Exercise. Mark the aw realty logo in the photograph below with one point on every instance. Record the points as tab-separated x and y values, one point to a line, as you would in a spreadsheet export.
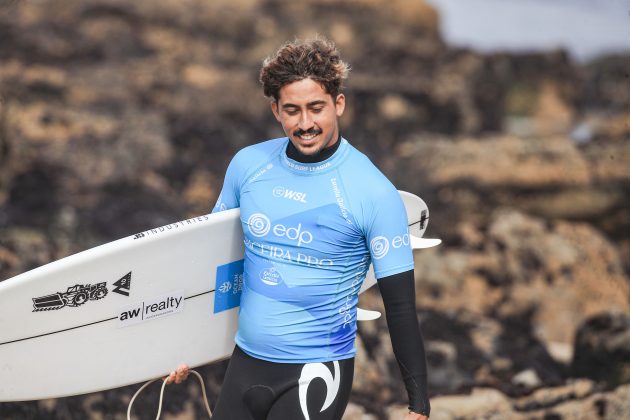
154	308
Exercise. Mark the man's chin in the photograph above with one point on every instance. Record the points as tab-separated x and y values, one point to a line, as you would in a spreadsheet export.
307	148
310	151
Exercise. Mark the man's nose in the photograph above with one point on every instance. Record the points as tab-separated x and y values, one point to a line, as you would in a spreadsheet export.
306	122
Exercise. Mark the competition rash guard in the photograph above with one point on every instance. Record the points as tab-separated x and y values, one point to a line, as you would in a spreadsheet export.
311	231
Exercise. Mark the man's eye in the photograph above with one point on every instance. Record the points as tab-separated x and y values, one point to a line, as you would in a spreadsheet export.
317	110
292	111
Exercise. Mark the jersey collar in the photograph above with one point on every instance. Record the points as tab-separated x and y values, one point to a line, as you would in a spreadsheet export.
317	167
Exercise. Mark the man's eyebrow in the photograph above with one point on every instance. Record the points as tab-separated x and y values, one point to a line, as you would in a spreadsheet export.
310	104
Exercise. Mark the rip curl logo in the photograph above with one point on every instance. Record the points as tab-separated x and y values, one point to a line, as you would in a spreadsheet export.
258	224
380	247
312	371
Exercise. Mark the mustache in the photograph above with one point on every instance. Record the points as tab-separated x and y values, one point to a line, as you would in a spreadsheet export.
300	132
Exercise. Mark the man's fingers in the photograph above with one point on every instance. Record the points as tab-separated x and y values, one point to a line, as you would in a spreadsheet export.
182	372
178	375
170	378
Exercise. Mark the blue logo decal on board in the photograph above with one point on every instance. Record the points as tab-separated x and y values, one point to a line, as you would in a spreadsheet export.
229	286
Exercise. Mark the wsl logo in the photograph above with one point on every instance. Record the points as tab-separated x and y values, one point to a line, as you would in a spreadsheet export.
258	224
282	192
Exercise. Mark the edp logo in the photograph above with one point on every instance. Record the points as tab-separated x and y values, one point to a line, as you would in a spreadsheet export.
259	225
380	245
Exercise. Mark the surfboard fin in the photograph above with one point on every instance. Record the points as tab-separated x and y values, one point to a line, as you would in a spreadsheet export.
423	243
365	315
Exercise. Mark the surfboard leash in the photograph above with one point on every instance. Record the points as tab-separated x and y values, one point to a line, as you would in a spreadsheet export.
203	390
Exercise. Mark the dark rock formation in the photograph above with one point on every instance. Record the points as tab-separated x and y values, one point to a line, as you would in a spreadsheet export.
602	349
120	116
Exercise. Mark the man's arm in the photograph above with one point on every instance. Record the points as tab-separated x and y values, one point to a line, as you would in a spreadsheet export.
399	297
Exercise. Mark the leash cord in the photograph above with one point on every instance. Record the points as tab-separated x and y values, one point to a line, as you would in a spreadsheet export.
203	390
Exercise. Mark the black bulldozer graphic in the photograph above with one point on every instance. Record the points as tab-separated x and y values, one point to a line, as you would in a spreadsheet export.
76	295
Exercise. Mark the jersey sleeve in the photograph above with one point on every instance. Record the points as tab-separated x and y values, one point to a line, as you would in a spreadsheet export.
387	234
230	193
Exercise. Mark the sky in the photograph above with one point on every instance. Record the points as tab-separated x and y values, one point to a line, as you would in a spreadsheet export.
586	28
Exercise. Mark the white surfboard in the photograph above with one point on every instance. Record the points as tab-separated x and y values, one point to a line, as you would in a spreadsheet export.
132	309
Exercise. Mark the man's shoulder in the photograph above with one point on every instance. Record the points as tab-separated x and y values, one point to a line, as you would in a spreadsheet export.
249	159
252	157
364	174
260	150
366	187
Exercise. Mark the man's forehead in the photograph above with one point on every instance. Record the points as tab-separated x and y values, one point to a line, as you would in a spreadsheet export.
303	91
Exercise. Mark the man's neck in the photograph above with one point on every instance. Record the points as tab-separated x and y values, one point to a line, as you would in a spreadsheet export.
322	155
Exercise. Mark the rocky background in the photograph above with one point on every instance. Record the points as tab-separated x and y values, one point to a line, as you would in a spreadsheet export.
119	116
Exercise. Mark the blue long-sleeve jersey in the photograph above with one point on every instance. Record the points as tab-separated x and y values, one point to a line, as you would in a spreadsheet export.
310	232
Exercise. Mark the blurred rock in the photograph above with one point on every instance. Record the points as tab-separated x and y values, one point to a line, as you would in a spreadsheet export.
517	163
356	412
607	83
565	271
482	403
442	361
561	352
579	400
582	404
527	379
117	116
127	145
22	249
602	348
367	375
544	398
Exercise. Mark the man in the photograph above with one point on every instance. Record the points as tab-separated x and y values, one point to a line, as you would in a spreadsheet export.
315	212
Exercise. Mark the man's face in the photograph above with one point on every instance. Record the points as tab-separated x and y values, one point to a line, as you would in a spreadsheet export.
308	115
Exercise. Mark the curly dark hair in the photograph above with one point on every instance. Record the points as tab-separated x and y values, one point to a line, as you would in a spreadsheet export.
316	59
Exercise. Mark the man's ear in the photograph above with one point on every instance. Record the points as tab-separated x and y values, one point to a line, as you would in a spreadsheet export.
340	104
275	110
